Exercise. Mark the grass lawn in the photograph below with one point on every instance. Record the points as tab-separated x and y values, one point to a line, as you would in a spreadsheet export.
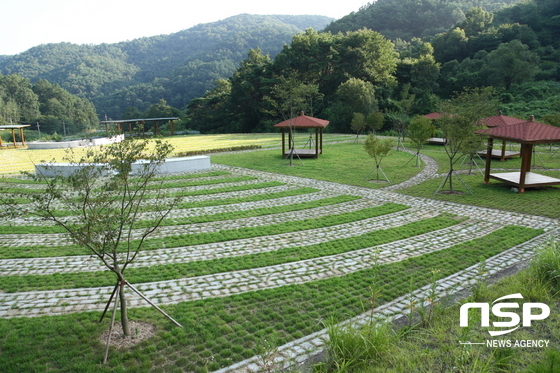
536	201
349	164
345	163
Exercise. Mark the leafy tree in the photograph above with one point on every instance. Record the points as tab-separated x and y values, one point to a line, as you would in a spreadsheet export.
289	97
210	113
419	131
451	45
108	216
398	120
375	121
511	63
358	124
353	96
378	149
462	116
248	87
476	21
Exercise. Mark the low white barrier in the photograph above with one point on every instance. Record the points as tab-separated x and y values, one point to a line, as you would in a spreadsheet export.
170	166
74	143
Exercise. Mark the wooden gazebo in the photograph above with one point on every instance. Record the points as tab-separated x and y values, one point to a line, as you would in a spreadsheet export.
13	128
132	122
500	121
527	134
302	122
435	140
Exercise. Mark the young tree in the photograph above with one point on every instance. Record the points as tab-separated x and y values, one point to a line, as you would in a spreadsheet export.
463	114
420	130
378	149
399	122
358	124
289	97
375	121
109	216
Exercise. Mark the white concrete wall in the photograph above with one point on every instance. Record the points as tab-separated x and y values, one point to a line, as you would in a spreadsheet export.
56	144
74	143
62	169
170	166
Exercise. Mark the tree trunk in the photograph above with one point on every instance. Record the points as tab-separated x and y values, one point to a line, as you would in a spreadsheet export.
450	174
124	313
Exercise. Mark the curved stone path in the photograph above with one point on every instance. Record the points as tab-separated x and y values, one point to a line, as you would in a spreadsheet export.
481	222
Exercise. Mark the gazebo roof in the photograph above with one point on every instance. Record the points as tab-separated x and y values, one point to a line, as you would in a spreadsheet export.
529	132
303	121
14	126
500	120
433	116
137	120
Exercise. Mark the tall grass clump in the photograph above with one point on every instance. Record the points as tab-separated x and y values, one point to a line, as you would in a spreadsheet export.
351	348
546	265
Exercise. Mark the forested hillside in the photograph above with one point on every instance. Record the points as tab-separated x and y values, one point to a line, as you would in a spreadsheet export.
516	50
243	74
52	106
176	67
405	19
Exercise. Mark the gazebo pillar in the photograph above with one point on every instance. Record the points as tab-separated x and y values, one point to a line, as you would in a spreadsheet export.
21	137
527	153
283	143
316	142
488	160
172	127
503	157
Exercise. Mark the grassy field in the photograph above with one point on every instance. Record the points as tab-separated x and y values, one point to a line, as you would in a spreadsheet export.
346	163
22	159
221	330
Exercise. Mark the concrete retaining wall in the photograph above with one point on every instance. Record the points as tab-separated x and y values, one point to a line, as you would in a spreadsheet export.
74	143
170	166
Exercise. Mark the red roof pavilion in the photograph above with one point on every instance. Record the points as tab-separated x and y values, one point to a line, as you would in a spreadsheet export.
527	134
499	121
303	122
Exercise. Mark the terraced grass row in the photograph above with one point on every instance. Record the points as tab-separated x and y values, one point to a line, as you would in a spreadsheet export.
35	229
38	251
200	268
220	331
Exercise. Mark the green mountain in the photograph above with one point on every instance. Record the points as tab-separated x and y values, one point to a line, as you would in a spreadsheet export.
176	67
406	19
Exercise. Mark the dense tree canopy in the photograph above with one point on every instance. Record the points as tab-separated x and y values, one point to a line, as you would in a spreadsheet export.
53	107
346	71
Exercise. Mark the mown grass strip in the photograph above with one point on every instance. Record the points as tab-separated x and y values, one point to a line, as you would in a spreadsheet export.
202	192
192	176
181	270
184	184
254	198
221	236
27	229
218	332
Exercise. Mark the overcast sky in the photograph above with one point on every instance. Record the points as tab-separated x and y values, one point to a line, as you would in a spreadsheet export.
27	23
